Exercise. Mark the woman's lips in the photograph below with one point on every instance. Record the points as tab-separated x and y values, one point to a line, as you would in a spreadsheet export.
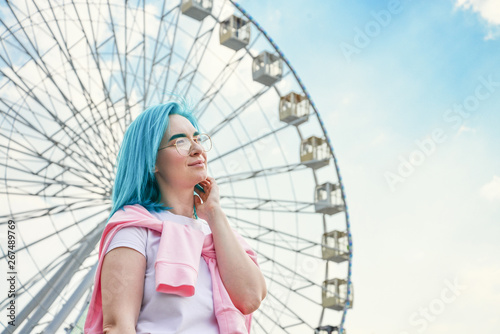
198	165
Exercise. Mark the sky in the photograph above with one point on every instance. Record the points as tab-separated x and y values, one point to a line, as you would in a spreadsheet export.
410	93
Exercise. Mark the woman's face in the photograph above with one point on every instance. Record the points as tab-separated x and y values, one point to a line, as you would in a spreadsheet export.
175	169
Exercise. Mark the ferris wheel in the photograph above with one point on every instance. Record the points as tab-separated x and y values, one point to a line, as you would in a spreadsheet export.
74	74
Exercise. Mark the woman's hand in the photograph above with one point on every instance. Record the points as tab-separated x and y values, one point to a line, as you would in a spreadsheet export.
210	199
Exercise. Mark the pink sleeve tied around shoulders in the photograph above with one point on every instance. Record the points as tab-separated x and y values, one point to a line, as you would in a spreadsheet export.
176	267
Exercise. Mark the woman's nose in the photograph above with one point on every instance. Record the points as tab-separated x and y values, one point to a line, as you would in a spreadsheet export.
196	148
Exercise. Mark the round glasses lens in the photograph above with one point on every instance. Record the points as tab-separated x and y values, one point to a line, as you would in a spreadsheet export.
205	142
183	146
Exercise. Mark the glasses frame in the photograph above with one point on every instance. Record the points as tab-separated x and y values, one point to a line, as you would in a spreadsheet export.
191	148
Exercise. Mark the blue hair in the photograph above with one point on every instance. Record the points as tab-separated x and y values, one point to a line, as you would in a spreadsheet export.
135	181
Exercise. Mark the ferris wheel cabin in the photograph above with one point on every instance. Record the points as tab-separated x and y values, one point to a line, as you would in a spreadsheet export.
328	198
314	152
327	330
234	32
294	109
267	68
335	294
335	246
197	9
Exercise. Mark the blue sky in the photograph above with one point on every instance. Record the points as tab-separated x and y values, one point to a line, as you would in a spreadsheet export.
437	226
413	112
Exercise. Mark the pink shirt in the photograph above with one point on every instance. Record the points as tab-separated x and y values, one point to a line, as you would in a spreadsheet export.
176	266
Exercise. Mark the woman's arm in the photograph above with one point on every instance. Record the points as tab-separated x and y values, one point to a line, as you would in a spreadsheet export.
122	285
242	278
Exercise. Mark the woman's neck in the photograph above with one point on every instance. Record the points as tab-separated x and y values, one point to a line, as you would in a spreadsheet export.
182	201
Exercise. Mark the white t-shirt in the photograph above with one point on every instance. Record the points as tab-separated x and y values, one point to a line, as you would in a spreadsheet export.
163	313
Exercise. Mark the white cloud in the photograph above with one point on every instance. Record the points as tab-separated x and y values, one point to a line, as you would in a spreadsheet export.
464	128
488	9
381	138
491	190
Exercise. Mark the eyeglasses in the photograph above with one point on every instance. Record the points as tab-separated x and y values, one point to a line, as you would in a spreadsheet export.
185	145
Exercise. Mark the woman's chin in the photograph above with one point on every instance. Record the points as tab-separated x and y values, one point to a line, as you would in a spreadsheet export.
204	174
201	177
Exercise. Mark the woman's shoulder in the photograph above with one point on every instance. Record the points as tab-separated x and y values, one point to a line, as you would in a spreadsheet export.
135	237
126	212
129	213
131	232
129	209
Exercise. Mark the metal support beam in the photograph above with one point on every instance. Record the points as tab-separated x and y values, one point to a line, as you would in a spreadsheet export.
74	262
51	290
71	302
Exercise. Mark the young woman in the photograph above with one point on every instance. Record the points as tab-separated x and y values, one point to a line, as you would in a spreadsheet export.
161	161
